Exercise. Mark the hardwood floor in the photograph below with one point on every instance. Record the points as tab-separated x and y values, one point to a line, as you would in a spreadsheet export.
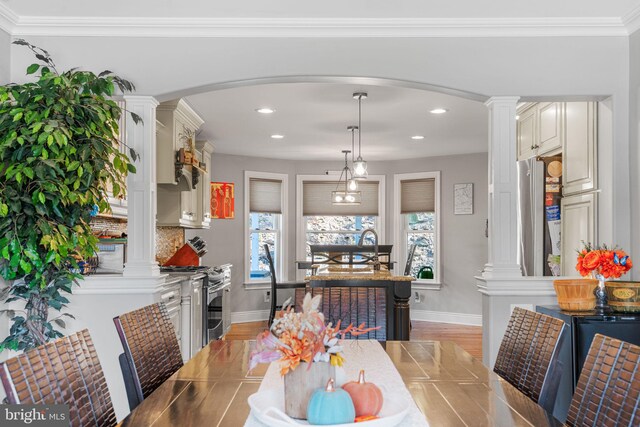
467	337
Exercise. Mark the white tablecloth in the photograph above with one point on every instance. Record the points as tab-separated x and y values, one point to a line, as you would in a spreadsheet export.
359	354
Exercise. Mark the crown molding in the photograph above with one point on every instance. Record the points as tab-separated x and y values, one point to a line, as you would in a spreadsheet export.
8	19
631	20
308	27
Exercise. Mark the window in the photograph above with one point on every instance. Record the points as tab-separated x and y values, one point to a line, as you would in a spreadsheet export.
265	199
417	204
320	222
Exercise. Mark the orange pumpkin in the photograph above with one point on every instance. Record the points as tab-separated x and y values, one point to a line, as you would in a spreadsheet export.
367	397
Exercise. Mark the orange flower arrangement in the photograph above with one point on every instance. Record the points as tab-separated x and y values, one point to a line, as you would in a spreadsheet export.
302	337
602	261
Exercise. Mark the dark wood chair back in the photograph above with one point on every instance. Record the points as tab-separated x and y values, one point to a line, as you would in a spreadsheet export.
355	305
275	285
350	254
410	254
529	355
151	349
608	390
65	371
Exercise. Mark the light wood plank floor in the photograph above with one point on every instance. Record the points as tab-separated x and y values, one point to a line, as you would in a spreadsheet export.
467	337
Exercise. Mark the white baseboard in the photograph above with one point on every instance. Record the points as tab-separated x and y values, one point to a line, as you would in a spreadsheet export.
446	317
249	316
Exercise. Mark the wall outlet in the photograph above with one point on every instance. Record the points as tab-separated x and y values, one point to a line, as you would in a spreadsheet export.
417	297
267	296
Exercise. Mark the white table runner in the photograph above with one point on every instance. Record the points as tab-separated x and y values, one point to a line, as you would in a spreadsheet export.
359	354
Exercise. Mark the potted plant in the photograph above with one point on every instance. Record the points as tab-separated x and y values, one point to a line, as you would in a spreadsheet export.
58	155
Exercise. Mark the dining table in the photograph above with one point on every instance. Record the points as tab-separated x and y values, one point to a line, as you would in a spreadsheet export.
448	386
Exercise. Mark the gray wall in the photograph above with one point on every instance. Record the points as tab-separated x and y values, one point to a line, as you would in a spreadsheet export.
464	245
5	57
634	141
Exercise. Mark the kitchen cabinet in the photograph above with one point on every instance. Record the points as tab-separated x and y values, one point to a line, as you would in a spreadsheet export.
204	188
170	295
192	322
180	123
578	213
539	129
579	149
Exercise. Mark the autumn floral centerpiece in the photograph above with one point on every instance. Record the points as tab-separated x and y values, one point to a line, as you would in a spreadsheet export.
595	263
602	263
303	338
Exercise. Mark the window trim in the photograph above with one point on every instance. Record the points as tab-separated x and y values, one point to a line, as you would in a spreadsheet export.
399	231
301	231
282	253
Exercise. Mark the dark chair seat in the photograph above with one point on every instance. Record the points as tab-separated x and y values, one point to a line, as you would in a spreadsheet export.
528	356
151	350
65	371
275	285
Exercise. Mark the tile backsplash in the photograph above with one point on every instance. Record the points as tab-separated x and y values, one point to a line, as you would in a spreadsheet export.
168	241
108	226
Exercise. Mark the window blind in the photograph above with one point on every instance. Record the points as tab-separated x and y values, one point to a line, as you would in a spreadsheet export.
316	199
265	195
417	195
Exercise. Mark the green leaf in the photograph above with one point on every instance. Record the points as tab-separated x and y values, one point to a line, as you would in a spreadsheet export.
4	209
41	197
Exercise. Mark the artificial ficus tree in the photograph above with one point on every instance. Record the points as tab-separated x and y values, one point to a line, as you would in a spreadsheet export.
58	155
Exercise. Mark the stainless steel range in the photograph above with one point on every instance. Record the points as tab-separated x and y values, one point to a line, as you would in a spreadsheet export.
217	306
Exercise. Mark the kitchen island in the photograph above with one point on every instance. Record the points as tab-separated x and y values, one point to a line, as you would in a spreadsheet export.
357	294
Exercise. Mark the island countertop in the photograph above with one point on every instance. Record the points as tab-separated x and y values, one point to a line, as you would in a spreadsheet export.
355	272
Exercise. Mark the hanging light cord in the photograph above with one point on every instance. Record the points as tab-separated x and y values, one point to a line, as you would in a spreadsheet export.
353	146
359	127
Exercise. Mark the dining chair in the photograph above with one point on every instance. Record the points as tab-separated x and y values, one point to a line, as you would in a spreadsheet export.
151	350
65	371
276	285
410	255
529	355
608	390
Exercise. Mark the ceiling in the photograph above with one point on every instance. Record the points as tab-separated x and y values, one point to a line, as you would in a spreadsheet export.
326	8
313	117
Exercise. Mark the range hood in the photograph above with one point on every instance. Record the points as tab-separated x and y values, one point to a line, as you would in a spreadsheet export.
178	125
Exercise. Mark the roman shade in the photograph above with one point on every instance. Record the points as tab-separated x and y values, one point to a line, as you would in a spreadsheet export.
417	195
265	195
316	199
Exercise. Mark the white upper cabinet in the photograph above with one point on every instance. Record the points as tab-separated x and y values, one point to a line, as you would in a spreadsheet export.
539	129
579	168
578	213
204	187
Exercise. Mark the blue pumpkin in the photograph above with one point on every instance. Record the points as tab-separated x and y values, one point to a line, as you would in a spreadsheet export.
330	405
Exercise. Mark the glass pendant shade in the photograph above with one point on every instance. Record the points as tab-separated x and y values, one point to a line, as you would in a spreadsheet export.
346	197
345	192
353	185
360	169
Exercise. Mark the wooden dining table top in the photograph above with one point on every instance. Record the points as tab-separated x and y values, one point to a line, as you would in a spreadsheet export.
449	386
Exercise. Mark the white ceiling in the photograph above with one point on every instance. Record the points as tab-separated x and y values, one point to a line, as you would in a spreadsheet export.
326	8
314	119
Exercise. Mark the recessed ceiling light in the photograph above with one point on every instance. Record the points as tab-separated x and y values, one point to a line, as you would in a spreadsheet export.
438	111
417	137
265	110
276	136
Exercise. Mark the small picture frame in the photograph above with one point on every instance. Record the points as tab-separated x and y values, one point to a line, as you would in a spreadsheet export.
463	199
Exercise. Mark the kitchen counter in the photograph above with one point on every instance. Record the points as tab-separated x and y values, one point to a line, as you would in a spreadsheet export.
356	272
355	293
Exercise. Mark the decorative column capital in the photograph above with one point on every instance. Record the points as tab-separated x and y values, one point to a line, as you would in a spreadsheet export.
501	100
141	99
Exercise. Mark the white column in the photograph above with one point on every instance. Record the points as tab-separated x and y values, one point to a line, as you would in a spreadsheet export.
141	190
503	189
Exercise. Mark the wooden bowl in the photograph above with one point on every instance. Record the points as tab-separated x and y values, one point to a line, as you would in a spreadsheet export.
576	294
623	296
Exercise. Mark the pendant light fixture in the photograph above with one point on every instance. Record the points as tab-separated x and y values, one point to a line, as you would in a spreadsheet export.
342	195
360	166
353	183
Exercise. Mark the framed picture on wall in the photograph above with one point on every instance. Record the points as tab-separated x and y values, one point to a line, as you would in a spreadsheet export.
222	200
463	199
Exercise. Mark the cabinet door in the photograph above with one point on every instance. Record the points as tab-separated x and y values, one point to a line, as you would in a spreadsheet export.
579	148
549	126
196	317
578	216
526	134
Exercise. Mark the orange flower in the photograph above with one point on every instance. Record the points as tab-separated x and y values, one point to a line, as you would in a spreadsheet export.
591	260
